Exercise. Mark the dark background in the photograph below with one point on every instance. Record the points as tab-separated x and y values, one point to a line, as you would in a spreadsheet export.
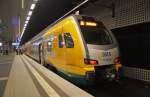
134	42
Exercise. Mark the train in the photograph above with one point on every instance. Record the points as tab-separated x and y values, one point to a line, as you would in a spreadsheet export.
79	47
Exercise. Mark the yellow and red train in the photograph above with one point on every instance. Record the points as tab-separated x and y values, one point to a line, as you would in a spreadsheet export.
79	47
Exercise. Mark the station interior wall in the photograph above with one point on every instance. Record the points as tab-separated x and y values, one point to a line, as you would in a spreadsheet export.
134	43
130	24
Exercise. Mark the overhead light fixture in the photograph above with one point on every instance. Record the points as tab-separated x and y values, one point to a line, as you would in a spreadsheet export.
1	43
22	34
23	29
26	22
28	18
30	13
35	0
25	25
32	6
22	4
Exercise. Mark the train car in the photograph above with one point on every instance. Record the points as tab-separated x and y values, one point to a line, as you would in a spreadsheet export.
79	47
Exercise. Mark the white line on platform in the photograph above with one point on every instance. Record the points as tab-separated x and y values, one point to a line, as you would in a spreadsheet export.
48	89
3	78
68	88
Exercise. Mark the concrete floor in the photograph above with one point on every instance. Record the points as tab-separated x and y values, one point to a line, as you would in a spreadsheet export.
127	88
5	66
28	78
20	83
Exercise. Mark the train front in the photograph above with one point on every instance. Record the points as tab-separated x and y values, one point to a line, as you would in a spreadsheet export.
102	50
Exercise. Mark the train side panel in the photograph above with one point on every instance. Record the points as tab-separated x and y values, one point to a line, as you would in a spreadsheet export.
64	48
74	53
66	59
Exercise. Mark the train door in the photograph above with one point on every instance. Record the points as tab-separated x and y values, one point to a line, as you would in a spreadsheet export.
41	54
69	36
69	49
61	50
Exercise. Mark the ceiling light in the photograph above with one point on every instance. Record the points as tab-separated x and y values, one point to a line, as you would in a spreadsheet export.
32	6
26	22
25	25
24	28
30	13
1	43
35	0
28	18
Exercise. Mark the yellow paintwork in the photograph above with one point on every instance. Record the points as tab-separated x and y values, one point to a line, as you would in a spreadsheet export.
118	66
67	59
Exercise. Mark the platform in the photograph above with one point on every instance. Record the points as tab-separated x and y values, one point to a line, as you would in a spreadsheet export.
30	79
20	76
5	67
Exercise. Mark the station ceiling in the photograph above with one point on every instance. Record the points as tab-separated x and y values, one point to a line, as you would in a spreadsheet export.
48	11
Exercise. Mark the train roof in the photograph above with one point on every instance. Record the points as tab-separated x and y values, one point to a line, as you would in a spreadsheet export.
79	17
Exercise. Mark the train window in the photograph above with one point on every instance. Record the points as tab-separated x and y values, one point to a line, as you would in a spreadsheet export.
49	42
49	46
96	35
68	40
60	43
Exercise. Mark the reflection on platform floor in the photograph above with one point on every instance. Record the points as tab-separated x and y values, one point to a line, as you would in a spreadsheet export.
5	66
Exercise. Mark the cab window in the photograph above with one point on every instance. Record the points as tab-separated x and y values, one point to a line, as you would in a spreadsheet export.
96	36
68	40
94	32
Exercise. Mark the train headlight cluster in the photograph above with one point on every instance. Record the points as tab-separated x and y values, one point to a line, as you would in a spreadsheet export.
90	61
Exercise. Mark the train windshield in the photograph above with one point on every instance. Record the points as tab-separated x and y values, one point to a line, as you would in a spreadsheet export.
95	33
